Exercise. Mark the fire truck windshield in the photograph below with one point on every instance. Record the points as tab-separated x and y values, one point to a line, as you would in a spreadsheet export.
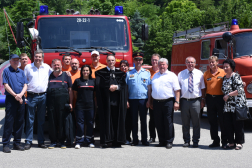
83	32
242	44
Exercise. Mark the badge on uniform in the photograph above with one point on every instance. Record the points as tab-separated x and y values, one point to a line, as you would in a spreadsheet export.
209	79
131	76
144	80
219	77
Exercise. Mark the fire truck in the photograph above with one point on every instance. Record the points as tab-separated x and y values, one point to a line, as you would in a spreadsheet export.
201	43
79	35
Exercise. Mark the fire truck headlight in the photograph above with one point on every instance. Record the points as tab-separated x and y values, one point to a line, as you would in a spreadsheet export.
249	88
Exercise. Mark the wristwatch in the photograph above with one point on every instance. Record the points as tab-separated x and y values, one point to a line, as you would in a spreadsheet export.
228	95
176	102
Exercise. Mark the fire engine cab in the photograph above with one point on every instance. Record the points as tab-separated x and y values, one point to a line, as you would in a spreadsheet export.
201	43
79	35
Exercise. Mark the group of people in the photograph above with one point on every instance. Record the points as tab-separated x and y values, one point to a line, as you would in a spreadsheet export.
117	98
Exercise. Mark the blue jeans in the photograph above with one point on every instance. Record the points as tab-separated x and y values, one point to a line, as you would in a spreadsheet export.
83	116
35	103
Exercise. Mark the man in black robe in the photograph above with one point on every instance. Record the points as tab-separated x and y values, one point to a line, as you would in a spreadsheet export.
111	94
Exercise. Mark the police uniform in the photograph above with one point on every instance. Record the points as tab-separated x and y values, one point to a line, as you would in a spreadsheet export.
138	95
14	111
57	98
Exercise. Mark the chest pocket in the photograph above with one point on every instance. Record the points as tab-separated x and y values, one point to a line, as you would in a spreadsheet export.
132	81
20	79
144	81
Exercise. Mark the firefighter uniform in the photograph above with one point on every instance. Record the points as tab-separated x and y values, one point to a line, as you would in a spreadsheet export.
57	101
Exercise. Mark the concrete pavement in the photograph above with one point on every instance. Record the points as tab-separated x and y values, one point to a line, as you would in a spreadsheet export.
139	156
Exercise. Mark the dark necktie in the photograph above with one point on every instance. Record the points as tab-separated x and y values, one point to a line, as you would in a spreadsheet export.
190	82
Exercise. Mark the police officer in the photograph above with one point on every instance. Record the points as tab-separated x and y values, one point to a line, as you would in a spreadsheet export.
58	94
15	85
138	81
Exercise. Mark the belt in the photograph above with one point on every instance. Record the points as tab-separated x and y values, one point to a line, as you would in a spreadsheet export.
190	99
35	94
213	95
163	100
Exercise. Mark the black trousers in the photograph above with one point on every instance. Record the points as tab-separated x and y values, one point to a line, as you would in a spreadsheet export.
234	127
215	117
163	114
114	117
56	100
128	125
152	128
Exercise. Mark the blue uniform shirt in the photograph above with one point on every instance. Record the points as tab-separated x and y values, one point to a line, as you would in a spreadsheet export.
15	79
138	83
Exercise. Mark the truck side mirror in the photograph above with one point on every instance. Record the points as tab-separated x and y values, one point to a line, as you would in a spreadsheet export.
145	32
215	52
20	34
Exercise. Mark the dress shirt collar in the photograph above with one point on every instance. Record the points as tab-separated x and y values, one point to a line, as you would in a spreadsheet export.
163	73
188	72
110	69
13	70
33	65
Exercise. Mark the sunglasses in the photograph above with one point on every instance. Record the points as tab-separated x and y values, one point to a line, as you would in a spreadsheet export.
124	61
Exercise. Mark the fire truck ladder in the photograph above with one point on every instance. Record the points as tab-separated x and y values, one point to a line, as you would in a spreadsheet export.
198	32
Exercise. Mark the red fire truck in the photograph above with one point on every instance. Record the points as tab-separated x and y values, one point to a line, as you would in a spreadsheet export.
202	43
79	35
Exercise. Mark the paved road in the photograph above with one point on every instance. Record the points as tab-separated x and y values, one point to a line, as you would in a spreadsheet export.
139	156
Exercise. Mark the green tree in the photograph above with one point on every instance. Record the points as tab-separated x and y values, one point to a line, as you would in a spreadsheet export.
59	6
21	9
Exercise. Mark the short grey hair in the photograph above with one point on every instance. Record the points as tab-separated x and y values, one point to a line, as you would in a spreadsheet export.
163	60
39	51
190	57
156	54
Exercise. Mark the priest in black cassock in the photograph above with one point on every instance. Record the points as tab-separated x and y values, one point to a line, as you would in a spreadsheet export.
111	94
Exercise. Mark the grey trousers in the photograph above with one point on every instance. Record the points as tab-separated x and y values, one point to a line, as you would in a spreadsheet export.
190	109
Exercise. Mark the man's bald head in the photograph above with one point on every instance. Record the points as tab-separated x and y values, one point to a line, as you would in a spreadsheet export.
75	64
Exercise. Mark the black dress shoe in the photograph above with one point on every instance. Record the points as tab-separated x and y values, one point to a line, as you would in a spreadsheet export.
160	145
224	145
6	149
146	143
151	140
195	144
27	146
134	144
169	146
214	144
186	144
104	146
116	144
18	147
42	146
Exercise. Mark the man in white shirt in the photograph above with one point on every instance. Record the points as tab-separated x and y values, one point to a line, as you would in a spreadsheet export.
37	75
192	85
165	87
